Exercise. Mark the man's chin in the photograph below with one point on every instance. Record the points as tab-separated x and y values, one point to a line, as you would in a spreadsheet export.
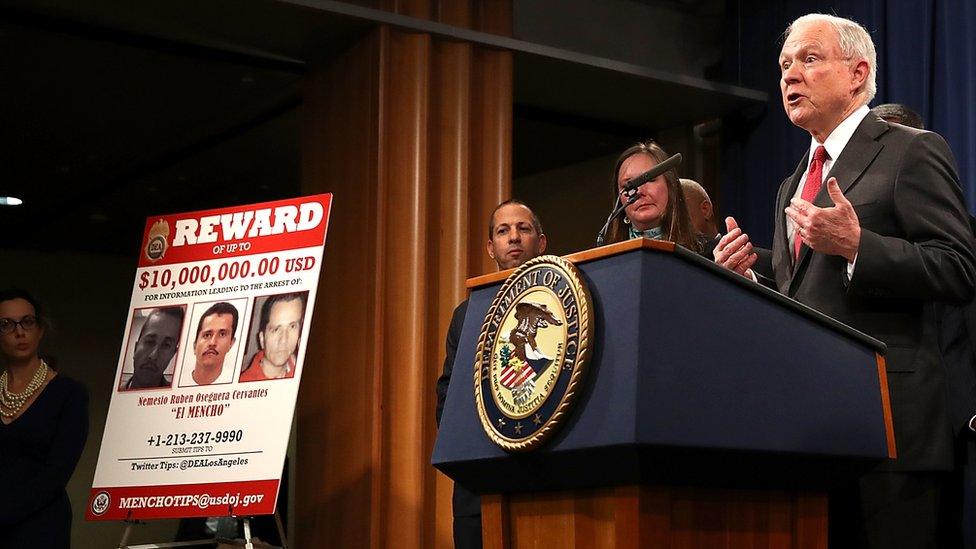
277	363
515	262
148	381
208	364
799	117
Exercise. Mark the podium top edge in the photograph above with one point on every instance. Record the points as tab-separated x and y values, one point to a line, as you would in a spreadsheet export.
670	248
581	257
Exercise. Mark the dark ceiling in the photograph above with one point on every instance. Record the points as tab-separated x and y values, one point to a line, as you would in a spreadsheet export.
101	132
98	134
163	106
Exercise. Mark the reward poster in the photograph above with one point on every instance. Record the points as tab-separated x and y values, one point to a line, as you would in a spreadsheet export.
211	358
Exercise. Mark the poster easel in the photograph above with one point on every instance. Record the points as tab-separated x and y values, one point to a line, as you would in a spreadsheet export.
247	542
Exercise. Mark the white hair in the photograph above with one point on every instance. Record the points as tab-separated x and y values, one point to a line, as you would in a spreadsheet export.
855	44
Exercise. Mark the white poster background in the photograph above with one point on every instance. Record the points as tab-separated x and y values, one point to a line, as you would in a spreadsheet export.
202	437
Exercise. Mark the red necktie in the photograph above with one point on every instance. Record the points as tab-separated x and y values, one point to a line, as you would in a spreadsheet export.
810	189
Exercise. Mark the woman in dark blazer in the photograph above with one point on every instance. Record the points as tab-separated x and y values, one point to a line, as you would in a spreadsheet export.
42	433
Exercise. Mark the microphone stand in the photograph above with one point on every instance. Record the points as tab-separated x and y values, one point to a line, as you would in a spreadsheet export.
618	207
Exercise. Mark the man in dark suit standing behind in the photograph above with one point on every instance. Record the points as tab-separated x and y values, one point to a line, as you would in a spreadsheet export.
871	229
514	237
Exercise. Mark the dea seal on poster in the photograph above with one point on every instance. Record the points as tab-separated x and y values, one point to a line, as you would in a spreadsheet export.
156	240
532	353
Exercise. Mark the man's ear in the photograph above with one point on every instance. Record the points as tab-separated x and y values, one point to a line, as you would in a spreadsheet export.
859	75
706	208
543	241
490	247
261	340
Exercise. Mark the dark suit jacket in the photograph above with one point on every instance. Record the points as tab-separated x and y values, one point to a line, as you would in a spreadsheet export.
465	502
916	249
958	334
958	343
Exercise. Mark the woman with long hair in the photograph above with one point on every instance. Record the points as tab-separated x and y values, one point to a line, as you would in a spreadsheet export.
659	211
43	428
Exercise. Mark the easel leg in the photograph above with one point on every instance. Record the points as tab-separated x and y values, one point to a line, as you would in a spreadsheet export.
247	533
281	531
125	535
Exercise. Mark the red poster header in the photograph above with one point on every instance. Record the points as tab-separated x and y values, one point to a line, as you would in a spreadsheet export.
228	232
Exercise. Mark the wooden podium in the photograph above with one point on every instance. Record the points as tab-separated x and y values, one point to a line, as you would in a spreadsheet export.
716	413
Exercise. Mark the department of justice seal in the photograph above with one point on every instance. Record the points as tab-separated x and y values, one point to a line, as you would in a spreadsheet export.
532	353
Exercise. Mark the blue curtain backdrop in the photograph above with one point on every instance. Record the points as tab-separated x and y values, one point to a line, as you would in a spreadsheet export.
926	60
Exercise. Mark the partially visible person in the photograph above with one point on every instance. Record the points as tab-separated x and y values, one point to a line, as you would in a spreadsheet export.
957	341
700	208
279	330
514	236
42	433
216	334
899	114
703	218
159	339
659	212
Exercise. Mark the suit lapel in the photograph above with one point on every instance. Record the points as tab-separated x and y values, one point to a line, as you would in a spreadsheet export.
786	252
857	155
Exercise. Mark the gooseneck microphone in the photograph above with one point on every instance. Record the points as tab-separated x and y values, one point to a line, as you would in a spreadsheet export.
630	192
652	173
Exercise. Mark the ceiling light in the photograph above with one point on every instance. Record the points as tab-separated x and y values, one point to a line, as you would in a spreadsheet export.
10	201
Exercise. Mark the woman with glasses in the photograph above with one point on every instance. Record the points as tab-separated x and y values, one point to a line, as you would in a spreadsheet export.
43	427
658	209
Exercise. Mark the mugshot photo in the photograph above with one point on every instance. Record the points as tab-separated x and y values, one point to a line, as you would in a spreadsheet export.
275	331
153	343
212	349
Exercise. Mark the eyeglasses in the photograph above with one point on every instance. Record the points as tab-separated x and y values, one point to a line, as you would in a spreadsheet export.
8	325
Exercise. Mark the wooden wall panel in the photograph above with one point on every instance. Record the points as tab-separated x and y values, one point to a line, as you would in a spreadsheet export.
457	13
495	17
632	517
337	420
449	169
491	142
404	183
413	136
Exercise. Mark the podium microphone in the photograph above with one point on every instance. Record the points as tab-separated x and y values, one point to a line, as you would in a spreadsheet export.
630	191
652	173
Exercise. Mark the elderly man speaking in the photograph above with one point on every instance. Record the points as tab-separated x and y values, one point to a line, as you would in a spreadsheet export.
871	229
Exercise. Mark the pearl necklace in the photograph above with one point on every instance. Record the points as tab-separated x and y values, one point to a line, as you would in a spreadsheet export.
15	401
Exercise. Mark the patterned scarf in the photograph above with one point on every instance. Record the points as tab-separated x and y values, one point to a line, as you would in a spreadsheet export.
654	233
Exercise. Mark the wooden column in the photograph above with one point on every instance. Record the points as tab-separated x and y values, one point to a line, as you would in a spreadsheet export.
451	116
412	133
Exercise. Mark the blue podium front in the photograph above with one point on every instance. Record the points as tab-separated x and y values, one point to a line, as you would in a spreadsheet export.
697	376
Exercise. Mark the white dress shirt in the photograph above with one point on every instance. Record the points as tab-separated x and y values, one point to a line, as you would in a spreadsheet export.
834	144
